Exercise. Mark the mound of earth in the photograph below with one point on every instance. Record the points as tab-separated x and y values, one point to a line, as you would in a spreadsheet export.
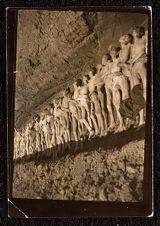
108	175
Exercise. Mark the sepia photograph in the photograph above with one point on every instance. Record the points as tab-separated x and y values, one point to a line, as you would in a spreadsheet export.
80	105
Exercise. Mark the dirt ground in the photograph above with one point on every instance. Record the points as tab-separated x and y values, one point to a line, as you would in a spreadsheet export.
108	171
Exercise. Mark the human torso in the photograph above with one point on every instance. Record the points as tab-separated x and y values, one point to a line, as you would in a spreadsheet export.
138	48
57	111
98	80
65	103
83	90
124	53
43	123
114	66
105	70
72	107
37	126
114	71
76	92
91	84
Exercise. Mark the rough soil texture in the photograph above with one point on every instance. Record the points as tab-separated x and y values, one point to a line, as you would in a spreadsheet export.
55	48
105	174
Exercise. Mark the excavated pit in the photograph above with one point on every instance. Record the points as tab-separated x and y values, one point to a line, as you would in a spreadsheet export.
53	50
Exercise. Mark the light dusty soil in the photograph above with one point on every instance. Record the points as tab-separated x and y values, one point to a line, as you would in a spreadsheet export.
114	174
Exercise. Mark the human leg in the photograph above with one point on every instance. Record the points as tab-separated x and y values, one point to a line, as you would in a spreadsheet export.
110	109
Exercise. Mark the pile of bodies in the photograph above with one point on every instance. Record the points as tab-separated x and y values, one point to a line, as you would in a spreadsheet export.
111	97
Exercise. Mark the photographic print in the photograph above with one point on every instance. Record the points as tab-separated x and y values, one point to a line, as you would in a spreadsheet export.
80	105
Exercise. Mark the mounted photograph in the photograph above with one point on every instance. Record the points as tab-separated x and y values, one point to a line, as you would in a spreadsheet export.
80	112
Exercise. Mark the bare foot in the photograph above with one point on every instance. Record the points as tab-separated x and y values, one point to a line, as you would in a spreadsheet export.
111	128
96	133
91	133
120	129
103	133
140	125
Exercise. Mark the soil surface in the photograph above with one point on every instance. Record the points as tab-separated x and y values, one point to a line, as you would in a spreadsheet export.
108	171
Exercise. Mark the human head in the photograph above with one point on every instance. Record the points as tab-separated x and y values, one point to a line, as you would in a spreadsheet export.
138	31
66	91
114	51
46	110
85	79
92	72
122	39
60	99
70	95
42	114
98	67
37	117
30	124
79	82
105	58
94	94
129	38
51	107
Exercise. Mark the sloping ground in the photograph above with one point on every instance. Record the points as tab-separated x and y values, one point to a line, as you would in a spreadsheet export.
55	48
113	174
